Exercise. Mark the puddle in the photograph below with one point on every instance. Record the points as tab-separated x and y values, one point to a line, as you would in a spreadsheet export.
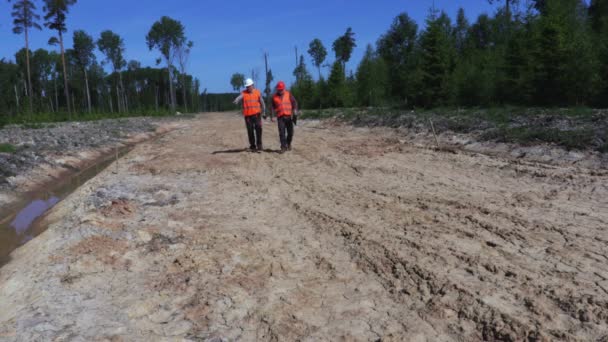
20	226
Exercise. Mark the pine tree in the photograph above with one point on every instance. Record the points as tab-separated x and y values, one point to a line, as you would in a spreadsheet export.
336	86
56	13
435	62
25	19
303	90
372	79
397	48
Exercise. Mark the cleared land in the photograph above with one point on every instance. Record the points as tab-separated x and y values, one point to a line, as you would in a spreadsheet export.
355	235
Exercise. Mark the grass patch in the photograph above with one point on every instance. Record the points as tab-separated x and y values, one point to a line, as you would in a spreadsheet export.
7	148
572	140
33	126
39	120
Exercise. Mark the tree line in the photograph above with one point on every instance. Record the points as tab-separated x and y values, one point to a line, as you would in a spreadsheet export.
547	53
64	83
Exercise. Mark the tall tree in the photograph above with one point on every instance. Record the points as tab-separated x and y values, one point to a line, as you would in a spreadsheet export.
25	18
167	35
397	47
508	5
317	51
461	30
84	46
237	81
303	89
113	47
434	44
344	46
43	64
300	72
598	13
372	81
183	56
55	17
269	79
336	84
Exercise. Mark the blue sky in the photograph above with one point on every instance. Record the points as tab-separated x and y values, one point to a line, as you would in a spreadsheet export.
232	36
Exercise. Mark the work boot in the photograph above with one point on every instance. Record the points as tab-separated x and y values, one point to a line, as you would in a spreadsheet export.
251	149
283	149
288	147
260	148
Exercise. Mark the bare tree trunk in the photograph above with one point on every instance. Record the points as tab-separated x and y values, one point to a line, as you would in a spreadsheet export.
17	97
184	92
171	90
56	92
123	96
86	82
73	102
110	100
29	74
118	98
267	90
156	96
65	76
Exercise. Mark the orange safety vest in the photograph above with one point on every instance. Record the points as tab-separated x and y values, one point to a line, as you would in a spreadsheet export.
251	103
282	105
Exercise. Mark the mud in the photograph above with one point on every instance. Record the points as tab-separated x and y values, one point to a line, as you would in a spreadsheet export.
356	235
20	220
48	153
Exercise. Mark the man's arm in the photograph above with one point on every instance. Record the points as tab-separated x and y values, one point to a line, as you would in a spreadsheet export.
294	105
238	99
263	105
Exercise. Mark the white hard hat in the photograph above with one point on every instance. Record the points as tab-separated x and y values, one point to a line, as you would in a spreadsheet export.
248	82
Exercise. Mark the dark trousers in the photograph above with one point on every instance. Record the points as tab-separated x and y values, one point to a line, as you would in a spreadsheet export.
285	130
254	130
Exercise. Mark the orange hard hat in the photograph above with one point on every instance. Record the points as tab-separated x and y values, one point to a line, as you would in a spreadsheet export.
281	85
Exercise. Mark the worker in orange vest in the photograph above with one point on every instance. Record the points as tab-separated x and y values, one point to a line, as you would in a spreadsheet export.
285	106
253	107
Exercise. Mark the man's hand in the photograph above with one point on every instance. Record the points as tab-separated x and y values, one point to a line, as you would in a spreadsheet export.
295	119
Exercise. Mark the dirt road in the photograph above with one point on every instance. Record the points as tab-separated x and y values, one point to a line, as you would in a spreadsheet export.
353	236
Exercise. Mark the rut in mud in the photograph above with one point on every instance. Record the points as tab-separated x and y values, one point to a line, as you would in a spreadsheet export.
354	235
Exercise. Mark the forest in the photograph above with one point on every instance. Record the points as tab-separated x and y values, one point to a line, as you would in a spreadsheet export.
541	53
58	83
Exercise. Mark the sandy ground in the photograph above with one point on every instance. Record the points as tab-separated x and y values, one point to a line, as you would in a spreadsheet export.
353	236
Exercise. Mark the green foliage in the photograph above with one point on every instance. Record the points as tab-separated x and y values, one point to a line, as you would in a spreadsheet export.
372	80
56	12
24	16
573	140
317	51
83	48
336	87
218	102
344	46
7	148
397	48
113	47
436	63
237	81
304	88
166	35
